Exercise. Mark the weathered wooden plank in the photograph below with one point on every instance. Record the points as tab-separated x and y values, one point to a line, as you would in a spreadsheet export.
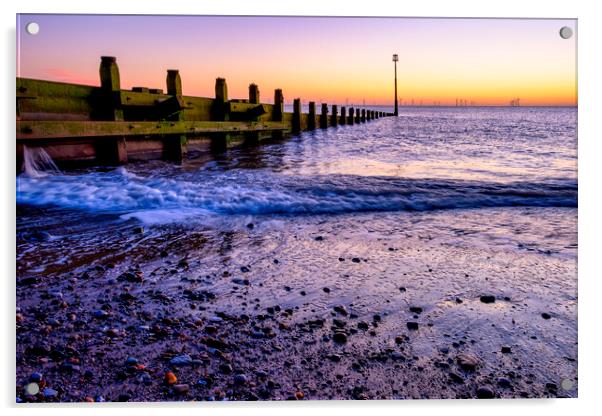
42	130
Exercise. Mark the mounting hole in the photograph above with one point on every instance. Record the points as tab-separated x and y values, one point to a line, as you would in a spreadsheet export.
566	32
32	28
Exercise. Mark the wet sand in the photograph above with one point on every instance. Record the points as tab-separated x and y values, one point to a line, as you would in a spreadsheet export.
362	306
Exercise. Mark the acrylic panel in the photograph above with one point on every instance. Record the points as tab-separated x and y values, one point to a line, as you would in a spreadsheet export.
237	208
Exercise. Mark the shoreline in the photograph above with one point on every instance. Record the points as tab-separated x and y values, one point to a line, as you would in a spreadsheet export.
352	307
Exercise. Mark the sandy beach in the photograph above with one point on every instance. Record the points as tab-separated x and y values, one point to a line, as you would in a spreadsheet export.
387	306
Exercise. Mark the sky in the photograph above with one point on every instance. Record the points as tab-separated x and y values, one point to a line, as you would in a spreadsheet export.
323	59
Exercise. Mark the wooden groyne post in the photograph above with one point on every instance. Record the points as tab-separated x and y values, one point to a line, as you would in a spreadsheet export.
311	116
106	124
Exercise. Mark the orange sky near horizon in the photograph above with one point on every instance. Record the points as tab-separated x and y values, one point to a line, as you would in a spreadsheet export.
334	60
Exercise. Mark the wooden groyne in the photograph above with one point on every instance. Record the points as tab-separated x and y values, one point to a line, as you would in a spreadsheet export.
109	125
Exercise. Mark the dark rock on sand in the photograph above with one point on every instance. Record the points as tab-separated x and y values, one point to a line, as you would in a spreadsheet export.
485	393
181	360
506	350
467	362
339	338
415	309
413	326
487	298
240	379
546	315
504	382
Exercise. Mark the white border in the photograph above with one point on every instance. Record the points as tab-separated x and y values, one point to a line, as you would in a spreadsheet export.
590	209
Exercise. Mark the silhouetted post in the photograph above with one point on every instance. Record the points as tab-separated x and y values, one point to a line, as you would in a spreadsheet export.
174	144
311	117
334	118
115	150
111	87
174	82
343	116
363	115
296	123
351	118
324	116
221	100
395	59
253	94
278	105
357	116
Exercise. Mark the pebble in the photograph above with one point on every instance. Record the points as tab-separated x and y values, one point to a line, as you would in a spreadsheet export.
413	326
170	378
546	315
341	310
131	361
100	314
181	360
456	378
35	377
485	393
339	338
415	309
50	393
487	298
467	361
326	290
181	388
319	238
225	368
240	379
363	325
355	260
504	382
506	350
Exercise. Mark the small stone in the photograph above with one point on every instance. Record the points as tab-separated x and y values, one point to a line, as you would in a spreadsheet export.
363	325
487	298
504	382
467	362
250	226
139	230
50	393
413	326
485	393
319	238
181	360
546	315
100	314
170	378
355	260
415	309
398	340
181	389
240	379
339	338
506	350
35	377
131	361
341	309
225	368
299	395
402	289
456	378
326	290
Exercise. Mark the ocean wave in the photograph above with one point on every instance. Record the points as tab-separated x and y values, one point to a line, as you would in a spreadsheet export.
255	193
